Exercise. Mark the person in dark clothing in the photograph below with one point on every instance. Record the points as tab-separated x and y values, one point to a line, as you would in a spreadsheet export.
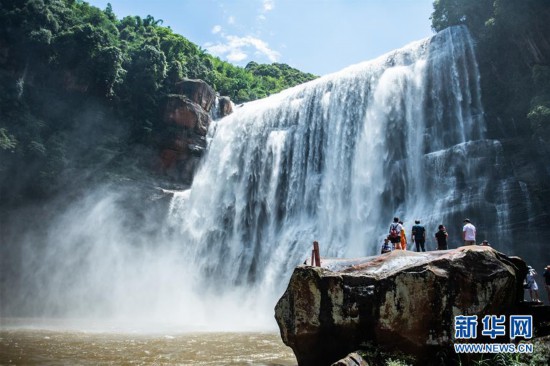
419	236
441	237
546	276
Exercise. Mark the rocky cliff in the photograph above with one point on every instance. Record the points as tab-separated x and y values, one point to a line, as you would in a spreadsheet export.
187	116
401	301
513	52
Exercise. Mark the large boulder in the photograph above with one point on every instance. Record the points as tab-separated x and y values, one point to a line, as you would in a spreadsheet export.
197	91
353	359
183	112
187	117
225	107
183	140
403	301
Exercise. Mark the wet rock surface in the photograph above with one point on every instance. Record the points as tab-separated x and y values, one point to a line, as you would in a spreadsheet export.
353	359
403	301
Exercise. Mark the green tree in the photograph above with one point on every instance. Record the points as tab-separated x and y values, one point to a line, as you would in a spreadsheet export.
79	87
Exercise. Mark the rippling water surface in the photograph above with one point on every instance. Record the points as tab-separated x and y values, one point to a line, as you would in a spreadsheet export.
33	346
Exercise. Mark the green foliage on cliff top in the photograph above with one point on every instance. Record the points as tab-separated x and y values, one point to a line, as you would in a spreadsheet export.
79	88
101	51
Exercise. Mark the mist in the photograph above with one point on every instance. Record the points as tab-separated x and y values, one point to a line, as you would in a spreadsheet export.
113	258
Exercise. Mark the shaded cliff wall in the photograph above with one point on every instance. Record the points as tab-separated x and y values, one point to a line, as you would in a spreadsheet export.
512	41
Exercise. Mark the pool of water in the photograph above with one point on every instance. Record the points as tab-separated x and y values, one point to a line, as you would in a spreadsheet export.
31	345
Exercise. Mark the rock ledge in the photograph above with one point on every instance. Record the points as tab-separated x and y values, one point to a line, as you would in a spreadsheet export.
402	301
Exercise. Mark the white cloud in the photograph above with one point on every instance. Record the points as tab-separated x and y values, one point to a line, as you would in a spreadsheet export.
268	5
216	29
236	56
231	20
217	49
236	48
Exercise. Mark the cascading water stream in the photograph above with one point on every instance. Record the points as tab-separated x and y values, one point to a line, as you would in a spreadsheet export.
333	160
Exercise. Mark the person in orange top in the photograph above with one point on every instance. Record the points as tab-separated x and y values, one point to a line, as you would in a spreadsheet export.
403	237
395	233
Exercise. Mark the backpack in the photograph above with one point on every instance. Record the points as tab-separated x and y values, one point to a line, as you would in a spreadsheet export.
394	234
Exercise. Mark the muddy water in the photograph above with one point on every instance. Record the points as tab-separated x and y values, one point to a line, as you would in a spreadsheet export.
56	347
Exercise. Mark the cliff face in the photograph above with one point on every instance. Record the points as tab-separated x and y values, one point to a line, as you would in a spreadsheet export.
514	61
402	301
186	117
513	53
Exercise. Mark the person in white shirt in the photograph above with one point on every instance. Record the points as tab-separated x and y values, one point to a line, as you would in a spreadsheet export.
469	233
531	284
395	233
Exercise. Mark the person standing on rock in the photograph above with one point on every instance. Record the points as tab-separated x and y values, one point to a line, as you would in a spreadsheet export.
402	236
469	233
419	236
441	237
532	284
546	276
395	233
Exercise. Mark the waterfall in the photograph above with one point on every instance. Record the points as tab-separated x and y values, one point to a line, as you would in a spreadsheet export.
332	160
335	159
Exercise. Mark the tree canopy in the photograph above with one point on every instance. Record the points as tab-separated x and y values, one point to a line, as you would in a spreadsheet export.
79	86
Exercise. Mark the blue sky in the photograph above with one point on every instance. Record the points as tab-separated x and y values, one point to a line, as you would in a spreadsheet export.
317	36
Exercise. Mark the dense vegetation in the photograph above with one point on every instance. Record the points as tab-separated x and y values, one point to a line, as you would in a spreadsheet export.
81	90
513	49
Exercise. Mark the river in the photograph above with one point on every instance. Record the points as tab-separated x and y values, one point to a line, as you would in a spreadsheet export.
22	344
